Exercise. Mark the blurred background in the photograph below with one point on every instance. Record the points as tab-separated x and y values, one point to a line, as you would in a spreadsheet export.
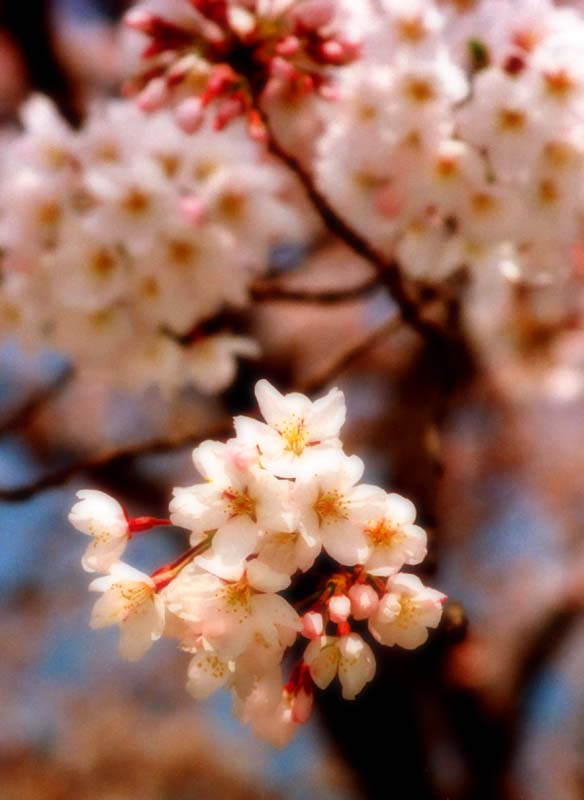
495	710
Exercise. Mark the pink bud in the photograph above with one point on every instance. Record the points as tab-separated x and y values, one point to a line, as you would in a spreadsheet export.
279	68
316	13
189	114
140	20
364	600
288	47
339	607
153	96
332	51
302	705
193	209
312	625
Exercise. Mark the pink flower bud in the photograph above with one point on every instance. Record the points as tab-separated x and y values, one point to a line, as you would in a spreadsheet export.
316	13
279	68
302	705
288	47
364	600
312	625
153	96
339	607
193	209
189	114
140	20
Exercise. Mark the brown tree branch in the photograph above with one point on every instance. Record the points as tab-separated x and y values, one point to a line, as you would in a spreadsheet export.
268	291
36	402
388	270
324	376
104	459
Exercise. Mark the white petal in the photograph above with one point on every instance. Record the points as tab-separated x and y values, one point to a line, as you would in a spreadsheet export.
142	627
101	554
327	415
322	658
264	578
356	666
206	674
275	407
345	542
399	509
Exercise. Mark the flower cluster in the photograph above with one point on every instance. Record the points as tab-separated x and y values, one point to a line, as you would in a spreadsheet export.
274	498
229	52
128	237
457	139
456	136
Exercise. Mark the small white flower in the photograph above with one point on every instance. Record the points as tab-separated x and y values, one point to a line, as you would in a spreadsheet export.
228	615
334	509
393	540
349	656
236	503
100	516
129	600
406	612
299	435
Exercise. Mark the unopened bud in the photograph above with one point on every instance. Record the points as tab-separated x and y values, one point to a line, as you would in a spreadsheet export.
312	625
364	600
339	607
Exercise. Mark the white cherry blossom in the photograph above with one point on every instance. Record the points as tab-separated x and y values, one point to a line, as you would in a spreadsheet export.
129	600
100	516
348	656
298	435
334	507
393	540
406	612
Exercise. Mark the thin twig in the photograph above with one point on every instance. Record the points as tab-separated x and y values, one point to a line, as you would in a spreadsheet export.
319	381
36	402
269	291
104	459
388	270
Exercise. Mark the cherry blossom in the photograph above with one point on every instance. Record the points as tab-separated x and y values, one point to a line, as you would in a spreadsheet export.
253	532
103	518
406	612
298	434
129	600
348	656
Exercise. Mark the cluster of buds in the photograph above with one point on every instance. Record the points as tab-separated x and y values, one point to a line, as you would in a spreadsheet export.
275	498
229	52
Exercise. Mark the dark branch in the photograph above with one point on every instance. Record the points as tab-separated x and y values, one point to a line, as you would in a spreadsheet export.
323	377
263	291
36	402
388	270
98	462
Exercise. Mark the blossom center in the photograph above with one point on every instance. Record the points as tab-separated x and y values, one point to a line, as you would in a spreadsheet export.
511	120
102	263
136	202
295	434
558	83
409	612
237	596
385	534
330	506
240	503
420	90
412	29
132	595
